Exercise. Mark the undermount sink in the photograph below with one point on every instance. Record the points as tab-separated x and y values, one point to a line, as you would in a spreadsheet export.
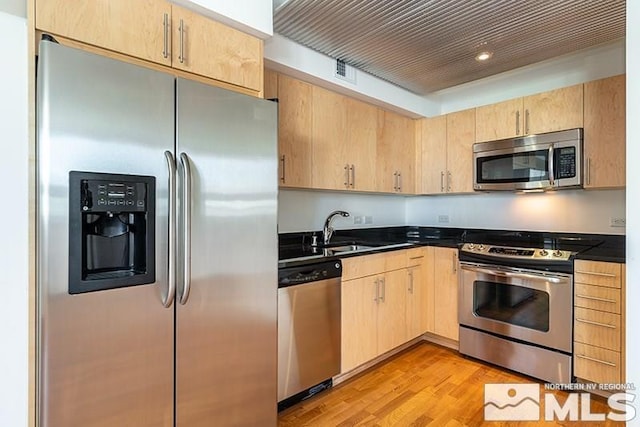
349	248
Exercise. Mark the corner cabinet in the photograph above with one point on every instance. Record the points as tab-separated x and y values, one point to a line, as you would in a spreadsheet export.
159	32
446	151
599	307
605	133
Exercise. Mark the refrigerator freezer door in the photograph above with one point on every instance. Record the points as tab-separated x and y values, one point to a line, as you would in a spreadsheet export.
226	334
105	358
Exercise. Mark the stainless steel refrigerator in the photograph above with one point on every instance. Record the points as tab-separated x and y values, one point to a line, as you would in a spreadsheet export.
156	246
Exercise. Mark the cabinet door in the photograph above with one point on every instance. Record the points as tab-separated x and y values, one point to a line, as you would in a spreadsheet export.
416	298
138	28
461	130
432	143
396	153
361	144
294	132
446	292
605	133
208	48
558	109
330	168
270	84
391	311
359	321
499	121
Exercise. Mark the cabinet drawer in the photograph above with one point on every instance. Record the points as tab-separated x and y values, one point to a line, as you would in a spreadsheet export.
596	364
598	273
597	328
368	265
597	297
415	256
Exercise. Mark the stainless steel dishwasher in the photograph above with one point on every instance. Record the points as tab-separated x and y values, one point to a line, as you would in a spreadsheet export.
308	330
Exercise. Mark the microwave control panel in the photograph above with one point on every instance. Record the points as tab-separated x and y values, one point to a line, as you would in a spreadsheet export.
565	162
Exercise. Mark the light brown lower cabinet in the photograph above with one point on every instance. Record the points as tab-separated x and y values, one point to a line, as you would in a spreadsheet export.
599	336
445	292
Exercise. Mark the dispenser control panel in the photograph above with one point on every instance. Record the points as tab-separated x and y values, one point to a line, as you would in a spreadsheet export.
105	196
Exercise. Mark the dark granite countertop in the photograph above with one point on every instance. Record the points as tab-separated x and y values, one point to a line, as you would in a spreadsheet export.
296	249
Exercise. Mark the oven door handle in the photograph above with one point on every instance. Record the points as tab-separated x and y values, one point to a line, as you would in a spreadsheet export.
510	274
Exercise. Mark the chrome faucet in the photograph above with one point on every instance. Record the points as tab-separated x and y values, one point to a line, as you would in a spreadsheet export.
327	231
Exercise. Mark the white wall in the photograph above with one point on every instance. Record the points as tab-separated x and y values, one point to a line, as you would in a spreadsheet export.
251	16
284	55
561	211
633	195
589	64
14	251
300	210
14	7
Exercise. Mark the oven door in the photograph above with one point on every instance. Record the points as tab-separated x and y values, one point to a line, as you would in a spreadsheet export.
525	305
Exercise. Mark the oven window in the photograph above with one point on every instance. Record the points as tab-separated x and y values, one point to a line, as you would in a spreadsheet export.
512	304
529	166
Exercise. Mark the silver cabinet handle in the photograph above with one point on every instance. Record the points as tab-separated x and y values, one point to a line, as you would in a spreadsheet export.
411	281
593	273
377	298
346	176
526	121
588	171
395	181
593	359
552	172
384	290
442	181
167	299
181	30
448	181
517	122
597	299
400	181
282	171
454	257
186	204
591	322
353	176
165	26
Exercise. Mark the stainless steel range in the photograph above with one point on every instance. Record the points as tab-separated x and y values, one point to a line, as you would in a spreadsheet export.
516	309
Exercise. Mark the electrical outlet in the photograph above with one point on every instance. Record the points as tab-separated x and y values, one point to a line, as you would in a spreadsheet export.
443	219
357	220
617	222
368	219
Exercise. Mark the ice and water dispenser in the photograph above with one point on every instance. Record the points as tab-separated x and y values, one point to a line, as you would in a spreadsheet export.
111	231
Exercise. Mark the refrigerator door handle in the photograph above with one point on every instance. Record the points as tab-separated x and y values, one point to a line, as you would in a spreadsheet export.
167	299
186	203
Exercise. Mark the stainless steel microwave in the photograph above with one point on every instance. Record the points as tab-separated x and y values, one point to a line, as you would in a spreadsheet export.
544	161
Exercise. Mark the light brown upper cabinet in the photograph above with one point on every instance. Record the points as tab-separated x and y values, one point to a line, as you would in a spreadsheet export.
550	111
604	133
294	132
395	153
445	144
158	32
329	134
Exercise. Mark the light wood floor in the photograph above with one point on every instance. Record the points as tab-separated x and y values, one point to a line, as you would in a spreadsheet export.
425	385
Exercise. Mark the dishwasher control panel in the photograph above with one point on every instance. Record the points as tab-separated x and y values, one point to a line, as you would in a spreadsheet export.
309	273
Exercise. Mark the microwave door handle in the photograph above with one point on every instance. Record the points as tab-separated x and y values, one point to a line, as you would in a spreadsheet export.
551	167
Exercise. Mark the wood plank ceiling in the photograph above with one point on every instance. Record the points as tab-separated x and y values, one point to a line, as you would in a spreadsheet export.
429	45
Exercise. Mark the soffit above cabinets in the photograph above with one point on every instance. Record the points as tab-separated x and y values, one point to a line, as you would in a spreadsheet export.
429	45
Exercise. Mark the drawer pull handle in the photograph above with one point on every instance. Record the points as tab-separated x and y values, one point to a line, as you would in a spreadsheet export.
591	322
597	298
593	359
593	273
417	257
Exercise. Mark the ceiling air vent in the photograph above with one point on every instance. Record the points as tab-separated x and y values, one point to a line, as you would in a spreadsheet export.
345	72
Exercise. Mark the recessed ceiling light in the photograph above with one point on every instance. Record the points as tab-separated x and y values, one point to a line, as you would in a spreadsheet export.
483	56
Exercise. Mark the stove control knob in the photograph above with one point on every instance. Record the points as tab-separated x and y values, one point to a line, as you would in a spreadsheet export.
481	247
471	246
558	253
544	252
